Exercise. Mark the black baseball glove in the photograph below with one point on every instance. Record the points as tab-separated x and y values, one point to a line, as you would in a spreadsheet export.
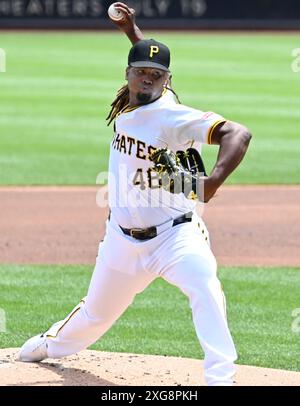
180	172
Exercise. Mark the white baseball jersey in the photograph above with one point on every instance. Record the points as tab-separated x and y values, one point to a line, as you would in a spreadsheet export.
135	198
180	255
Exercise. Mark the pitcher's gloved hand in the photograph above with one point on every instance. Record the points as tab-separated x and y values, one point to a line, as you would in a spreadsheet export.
181	172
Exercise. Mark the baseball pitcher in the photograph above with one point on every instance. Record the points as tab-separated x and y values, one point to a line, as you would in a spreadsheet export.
156	177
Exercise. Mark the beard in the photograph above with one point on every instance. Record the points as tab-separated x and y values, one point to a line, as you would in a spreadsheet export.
144	98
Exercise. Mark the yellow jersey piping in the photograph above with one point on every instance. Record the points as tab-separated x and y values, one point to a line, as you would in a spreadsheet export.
212	128
128	109
69	318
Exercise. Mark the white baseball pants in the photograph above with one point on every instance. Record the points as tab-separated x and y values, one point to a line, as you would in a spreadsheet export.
125	267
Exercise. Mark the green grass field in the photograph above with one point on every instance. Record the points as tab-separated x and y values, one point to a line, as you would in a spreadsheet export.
57	90
260	304
54	98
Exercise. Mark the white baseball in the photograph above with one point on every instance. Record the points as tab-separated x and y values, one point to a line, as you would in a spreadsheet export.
115	14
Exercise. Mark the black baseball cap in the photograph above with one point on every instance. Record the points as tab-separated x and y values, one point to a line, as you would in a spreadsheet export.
149	53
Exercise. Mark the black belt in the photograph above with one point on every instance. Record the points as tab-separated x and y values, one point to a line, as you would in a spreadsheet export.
151	232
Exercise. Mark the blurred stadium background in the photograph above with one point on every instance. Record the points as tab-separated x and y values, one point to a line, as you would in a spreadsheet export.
184	14
64	63
58	86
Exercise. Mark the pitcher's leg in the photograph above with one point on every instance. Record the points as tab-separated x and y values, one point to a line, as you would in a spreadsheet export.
196	276
109	295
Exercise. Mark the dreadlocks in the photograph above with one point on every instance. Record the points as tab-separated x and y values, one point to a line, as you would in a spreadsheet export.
121	102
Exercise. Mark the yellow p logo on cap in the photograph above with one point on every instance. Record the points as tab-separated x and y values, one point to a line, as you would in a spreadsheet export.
153	50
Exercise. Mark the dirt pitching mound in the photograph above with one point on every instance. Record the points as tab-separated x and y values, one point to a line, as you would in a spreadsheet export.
93	368
249	225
